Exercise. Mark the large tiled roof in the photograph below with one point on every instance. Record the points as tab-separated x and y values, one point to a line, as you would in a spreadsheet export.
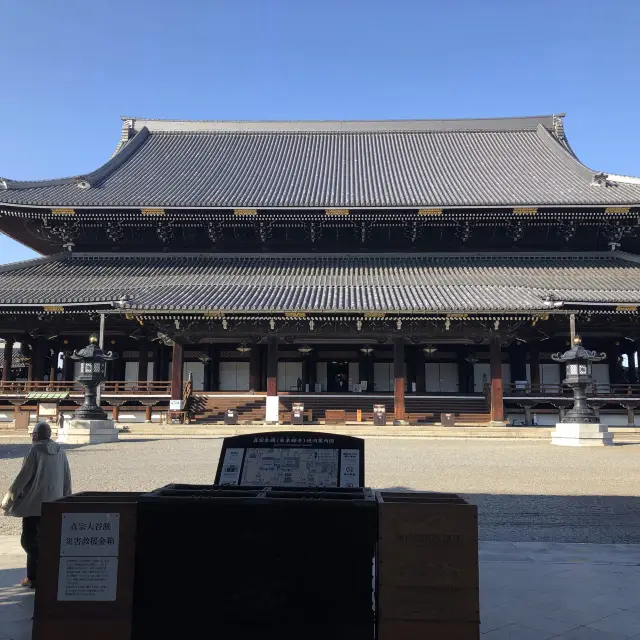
413	164
334	283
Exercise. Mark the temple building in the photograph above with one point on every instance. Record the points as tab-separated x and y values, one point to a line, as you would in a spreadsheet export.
432	266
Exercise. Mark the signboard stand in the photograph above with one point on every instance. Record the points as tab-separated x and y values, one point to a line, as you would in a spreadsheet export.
292	459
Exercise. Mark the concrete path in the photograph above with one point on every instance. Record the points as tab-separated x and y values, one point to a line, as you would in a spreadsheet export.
528	591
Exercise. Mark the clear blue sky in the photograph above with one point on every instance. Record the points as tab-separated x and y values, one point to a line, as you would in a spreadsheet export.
71	68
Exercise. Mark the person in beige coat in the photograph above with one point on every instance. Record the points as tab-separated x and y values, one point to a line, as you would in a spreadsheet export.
44	476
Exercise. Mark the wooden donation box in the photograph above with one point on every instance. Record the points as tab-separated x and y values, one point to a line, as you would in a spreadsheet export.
427	567
86	567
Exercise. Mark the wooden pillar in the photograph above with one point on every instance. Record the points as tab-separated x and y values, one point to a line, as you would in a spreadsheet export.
615	368
214	367
272	367
119	367
207	369
155	374
272	406
53	364
176	372
312	370
399	374
116	412
534	363
143	360
8	359
147	412
305	370
497	403
631	362
421	377
38	359
164	362
517	359
67	363
254	369
410	371
465	371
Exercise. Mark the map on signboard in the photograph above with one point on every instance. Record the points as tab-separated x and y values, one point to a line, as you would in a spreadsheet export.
293	459
295	467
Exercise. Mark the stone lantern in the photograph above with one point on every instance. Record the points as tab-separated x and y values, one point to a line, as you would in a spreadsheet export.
580	425
93	367
90	423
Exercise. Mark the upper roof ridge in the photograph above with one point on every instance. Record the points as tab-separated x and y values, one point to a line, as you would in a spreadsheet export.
461	124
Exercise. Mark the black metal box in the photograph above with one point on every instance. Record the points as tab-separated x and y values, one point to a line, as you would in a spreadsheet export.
249	562
231	416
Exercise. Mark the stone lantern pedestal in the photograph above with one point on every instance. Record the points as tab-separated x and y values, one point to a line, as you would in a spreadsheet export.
77	431
581	434
580	426
90	424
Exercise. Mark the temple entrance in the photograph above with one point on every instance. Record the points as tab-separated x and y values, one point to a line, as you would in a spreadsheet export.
338	376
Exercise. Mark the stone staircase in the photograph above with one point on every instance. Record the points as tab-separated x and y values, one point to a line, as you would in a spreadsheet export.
212	408
421	410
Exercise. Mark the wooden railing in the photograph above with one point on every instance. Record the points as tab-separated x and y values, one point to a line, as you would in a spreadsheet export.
108	387
594	390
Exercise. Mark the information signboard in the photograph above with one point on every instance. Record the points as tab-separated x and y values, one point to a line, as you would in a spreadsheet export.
89	544
292	459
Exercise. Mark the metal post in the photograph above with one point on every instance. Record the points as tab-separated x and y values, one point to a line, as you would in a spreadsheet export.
572	328
101	345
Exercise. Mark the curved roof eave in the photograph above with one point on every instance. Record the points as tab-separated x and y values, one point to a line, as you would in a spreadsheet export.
124	153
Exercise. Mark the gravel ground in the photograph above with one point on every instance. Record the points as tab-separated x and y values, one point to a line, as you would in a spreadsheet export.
525	491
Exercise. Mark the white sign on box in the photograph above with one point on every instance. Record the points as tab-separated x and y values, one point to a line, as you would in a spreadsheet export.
88	568
82	579
90	534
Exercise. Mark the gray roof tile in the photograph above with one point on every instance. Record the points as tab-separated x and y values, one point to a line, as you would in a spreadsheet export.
276	283
459	163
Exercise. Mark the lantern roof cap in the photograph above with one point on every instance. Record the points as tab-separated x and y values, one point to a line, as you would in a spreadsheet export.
578	352
93	352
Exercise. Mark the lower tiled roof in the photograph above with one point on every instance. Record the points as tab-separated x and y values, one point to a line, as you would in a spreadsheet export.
276	283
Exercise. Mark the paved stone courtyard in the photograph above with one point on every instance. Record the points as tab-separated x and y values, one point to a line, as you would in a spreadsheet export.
535	503
528	591
526	491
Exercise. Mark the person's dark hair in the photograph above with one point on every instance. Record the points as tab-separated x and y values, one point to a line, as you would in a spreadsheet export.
42	431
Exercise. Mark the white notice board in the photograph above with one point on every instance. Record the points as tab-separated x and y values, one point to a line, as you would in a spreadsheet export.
88	569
